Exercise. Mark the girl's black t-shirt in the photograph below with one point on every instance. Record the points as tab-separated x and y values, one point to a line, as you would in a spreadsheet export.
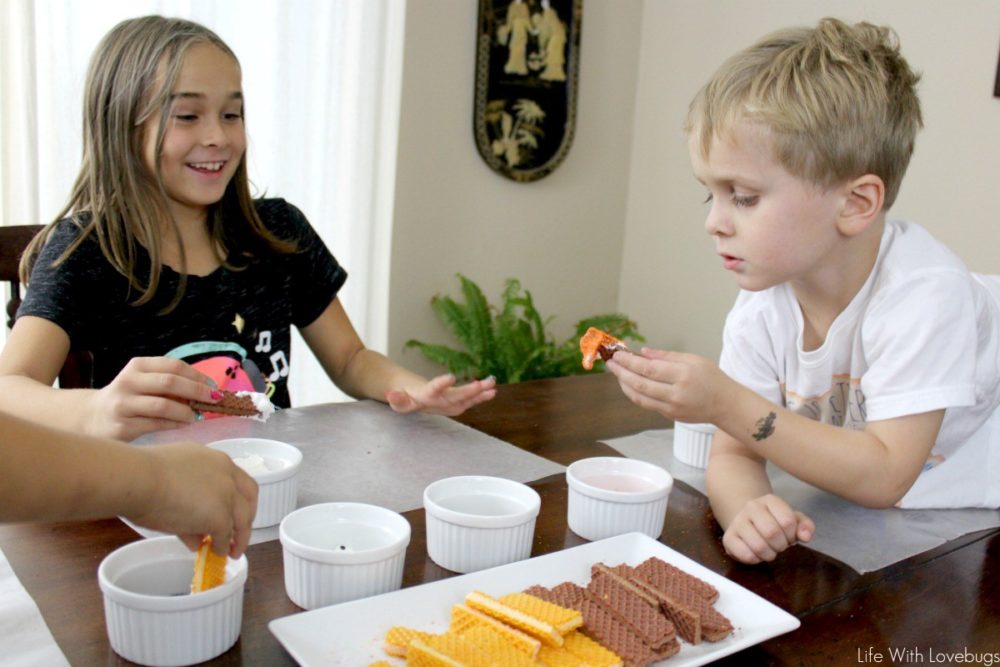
233	325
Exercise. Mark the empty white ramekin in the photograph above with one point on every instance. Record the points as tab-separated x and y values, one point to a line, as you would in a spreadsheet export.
277	475
151	614
692	443
476	522
610	496
335	552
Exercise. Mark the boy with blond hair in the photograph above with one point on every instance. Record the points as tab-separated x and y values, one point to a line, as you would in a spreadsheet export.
861	355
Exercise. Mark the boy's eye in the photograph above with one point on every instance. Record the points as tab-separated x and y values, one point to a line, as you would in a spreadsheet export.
708	198
744	200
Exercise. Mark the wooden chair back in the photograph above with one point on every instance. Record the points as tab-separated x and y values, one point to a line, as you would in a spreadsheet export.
78	369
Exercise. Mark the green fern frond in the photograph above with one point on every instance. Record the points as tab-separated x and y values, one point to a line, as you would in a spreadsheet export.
458	363
511	343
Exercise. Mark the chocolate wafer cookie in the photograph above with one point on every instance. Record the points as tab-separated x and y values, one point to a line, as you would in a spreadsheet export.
682	599
236	404
659	573
637	609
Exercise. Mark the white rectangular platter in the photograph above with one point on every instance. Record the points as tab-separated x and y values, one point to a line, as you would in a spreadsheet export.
351	633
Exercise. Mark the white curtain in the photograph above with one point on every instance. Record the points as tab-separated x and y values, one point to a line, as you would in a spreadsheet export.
321	80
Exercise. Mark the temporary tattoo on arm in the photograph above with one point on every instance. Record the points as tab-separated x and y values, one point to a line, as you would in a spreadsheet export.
765	426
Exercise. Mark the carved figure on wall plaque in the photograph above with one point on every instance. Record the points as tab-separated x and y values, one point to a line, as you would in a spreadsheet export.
526	81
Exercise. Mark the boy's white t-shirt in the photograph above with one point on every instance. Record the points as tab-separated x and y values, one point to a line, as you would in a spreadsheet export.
922	334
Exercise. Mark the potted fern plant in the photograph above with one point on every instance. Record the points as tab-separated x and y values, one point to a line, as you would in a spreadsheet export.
511	342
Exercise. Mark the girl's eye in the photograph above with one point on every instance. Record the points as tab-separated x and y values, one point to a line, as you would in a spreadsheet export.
187	117
744	200
233	116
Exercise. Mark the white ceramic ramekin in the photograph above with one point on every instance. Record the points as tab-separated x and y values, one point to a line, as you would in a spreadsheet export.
692	443
335	552
476	522
151	614
278	486
611	496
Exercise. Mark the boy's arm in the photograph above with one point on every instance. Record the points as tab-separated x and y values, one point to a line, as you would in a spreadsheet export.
759	525
874	467
735	476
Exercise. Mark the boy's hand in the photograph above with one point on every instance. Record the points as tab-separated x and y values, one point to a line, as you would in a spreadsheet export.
685	387
765	527
440	396
149	394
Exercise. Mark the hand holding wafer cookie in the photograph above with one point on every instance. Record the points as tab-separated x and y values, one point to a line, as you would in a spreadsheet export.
149	394
186	489
199	491
680	386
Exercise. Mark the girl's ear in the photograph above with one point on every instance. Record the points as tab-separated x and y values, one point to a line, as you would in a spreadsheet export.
863	202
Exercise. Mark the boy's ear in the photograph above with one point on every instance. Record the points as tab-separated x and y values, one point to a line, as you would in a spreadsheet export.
864	197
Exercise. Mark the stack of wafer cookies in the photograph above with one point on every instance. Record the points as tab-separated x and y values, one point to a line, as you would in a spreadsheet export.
637	612
624	617
517	630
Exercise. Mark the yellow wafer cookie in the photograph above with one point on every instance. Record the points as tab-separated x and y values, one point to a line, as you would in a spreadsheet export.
562	619
209	568
550	656
520	620
496	647
593	653
398	638
420	654
463	618
455	646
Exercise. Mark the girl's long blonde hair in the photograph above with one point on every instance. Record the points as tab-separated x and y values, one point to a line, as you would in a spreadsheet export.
115	198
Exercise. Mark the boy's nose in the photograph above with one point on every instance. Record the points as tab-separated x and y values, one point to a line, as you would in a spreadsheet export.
716	223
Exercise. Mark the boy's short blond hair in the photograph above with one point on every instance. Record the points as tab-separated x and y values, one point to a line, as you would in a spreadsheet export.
839	100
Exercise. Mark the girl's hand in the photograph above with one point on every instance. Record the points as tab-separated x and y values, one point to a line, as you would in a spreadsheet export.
149	394
765	527
199	491
679	386
440	396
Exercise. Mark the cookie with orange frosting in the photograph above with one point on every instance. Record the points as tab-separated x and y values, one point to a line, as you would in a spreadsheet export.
596	343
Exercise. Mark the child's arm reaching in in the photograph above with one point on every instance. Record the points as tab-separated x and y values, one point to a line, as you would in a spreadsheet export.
759	525
185	489
874	467
149	394
364	373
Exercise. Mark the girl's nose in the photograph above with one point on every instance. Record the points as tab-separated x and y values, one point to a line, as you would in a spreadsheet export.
213	134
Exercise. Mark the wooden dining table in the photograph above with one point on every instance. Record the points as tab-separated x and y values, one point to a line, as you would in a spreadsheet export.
941	606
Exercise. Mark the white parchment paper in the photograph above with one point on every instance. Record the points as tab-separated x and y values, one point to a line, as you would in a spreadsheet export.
865	539
364	452
25	640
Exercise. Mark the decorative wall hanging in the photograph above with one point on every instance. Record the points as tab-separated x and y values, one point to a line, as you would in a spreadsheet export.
526	81
996	84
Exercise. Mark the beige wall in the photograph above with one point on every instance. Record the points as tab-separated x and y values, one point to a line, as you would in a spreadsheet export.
671	279
619	224
560	236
